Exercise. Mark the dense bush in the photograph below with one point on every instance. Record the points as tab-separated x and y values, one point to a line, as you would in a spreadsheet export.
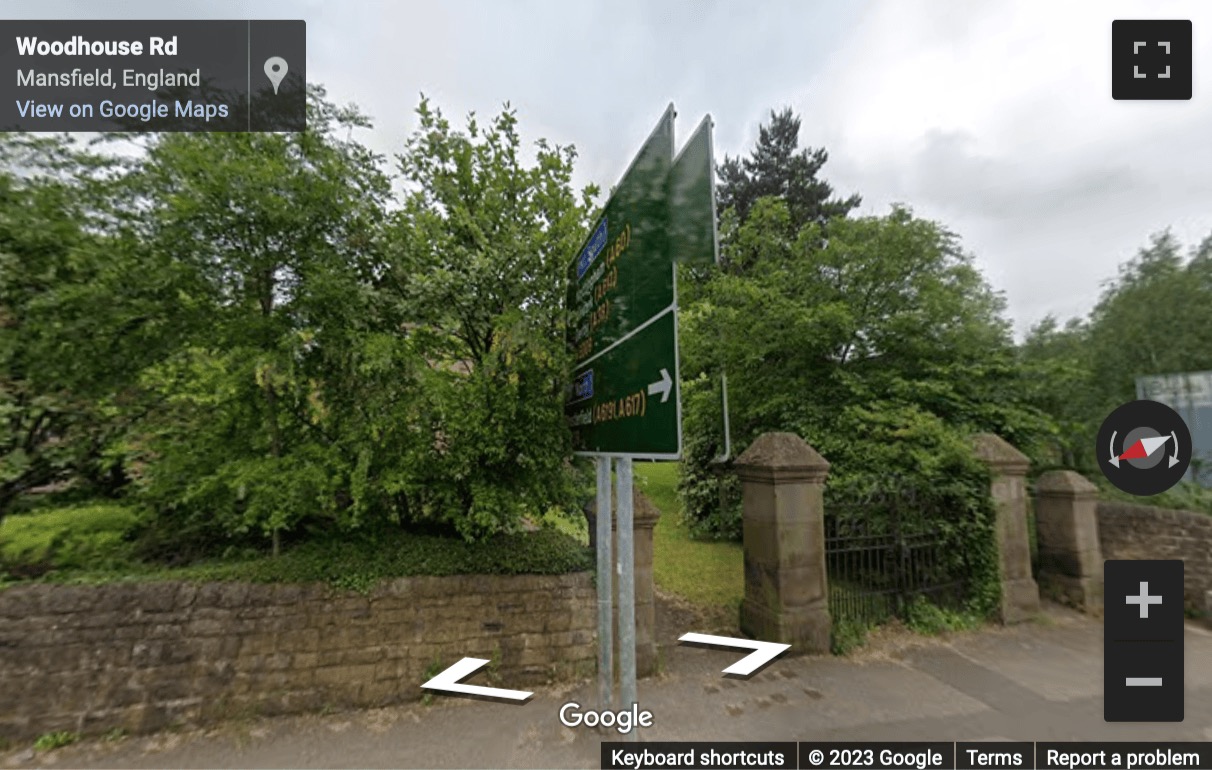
95	543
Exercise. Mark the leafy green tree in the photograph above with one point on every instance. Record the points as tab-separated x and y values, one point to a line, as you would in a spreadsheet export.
777	167
889	311
82	310
477	268
277	234
1154	318
1056	362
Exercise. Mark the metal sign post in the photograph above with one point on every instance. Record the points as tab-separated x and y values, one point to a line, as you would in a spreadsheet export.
605	586
627	687
625	399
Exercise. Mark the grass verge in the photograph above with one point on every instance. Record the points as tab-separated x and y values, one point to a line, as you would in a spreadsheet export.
705	573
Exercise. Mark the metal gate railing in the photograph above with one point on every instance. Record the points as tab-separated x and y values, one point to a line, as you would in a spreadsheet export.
884	551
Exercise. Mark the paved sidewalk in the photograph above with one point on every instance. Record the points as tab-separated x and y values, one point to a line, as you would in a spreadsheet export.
1038	681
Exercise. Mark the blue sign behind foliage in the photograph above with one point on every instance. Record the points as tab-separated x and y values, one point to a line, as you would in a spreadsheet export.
582	388
597	242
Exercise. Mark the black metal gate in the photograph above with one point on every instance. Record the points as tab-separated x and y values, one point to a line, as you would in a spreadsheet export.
884	551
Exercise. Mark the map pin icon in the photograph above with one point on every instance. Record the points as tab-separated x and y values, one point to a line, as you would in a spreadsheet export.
275	70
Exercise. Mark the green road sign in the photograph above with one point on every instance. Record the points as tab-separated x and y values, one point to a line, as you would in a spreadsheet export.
622	300
627	401
692	235
621	277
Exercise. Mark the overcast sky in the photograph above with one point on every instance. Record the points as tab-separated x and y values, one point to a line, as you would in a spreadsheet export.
993	117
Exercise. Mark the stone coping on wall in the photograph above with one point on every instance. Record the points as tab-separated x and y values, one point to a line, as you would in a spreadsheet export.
142	656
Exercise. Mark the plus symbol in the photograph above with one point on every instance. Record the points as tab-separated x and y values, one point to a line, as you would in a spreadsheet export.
1144	600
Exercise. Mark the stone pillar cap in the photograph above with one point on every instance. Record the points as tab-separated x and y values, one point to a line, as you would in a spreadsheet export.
998	453
783	454
1062	482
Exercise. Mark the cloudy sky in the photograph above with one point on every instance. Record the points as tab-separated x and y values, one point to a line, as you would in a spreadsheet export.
995	118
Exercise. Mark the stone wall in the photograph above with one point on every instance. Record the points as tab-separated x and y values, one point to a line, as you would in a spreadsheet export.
1131	531
143	656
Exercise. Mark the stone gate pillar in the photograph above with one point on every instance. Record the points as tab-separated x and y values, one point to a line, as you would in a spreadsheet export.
783	519
1066	528
644	517
1008	467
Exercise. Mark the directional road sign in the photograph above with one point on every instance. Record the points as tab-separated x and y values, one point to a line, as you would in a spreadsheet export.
692	234
621	276
625	399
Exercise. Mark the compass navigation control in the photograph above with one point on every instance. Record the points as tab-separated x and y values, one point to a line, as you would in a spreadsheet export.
1144	447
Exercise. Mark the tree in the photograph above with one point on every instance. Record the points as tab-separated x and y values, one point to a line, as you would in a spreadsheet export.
477	268
1056	362
1155	317
276	233
81	311
888	319
777	167
237	323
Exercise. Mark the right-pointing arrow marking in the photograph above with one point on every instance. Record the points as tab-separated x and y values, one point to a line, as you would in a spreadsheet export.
763	652
662	386
448	681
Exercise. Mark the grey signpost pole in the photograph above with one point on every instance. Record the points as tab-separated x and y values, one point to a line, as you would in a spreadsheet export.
605	585
627	687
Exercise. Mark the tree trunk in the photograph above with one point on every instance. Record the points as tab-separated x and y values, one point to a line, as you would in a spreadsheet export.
271	396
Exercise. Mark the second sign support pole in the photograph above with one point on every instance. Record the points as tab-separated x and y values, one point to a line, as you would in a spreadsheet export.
605	586
627	686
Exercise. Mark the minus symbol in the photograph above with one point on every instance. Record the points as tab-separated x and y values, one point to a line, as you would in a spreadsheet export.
1144	681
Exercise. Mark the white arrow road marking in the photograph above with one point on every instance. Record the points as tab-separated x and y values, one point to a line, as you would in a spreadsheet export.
448	681
763	652
662	386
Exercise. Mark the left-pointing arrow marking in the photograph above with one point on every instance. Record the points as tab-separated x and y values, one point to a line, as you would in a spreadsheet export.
662	386
448	681
763	652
